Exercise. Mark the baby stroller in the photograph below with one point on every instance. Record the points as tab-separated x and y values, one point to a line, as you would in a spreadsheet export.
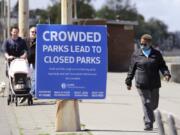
19	81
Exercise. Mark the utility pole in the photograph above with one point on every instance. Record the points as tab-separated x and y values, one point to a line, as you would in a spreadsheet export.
75	8
8	17
23	20
67	115
4	20
1	19
66	11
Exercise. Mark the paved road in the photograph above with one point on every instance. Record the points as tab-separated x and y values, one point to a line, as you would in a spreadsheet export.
119	114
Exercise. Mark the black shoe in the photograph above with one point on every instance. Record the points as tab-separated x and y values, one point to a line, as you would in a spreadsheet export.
23	99
148	127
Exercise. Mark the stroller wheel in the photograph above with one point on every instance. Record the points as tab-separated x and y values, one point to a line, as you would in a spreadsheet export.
16	101
9	100
12	98
30	101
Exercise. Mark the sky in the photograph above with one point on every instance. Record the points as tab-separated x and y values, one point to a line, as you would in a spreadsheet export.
166	10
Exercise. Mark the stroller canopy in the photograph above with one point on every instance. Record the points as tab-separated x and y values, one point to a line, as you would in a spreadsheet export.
18	66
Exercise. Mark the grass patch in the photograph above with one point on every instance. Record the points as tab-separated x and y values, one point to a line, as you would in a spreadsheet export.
21	131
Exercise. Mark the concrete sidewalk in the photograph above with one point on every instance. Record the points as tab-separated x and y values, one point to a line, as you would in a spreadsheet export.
119	114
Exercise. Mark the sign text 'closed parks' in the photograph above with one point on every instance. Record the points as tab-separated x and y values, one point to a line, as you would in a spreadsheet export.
71	62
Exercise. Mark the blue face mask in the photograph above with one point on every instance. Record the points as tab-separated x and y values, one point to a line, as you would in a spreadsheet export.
146	49
145	46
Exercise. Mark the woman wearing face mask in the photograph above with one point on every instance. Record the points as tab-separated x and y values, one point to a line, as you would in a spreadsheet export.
146	62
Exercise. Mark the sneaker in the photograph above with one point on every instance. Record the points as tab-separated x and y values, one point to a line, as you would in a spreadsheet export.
148	127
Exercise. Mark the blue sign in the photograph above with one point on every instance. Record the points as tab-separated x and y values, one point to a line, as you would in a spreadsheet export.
71	62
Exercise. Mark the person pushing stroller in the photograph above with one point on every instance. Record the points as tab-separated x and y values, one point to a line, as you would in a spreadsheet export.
14	47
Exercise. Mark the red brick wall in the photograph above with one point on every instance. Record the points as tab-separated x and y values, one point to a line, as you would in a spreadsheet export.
120	43
120	47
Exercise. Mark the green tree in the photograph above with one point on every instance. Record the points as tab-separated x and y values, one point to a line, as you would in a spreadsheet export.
53	13
50	15
106	13
118	9
84	9
158	29
123	10
40	15
153	26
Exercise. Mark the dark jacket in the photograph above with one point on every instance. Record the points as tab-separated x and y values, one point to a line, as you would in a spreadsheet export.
31	44
146	70
15	47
